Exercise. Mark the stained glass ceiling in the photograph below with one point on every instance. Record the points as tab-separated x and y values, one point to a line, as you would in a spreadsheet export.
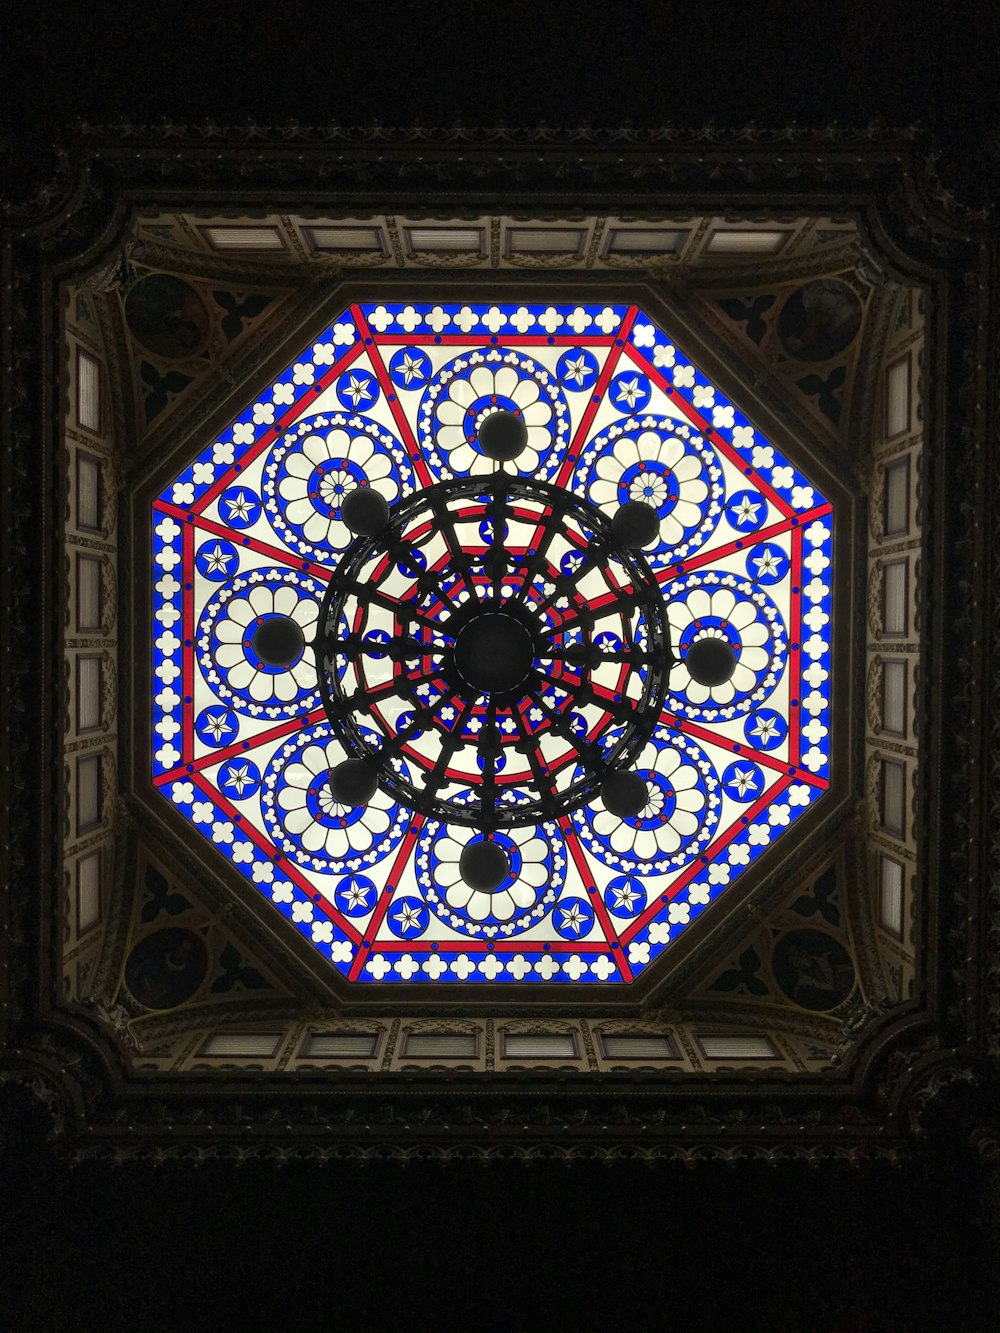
393	396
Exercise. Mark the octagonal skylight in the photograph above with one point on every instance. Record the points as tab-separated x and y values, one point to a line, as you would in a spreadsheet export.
392	396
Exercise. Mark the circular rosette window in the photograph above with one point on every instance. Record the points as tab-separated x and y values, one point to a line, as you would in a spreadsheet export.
307	824
738	614
661	463
677	822
537	859
253	642
316	465
471	388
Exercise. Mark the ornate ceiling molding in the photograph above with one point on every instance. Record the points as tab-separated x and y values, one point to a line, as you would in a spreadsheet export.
899	1061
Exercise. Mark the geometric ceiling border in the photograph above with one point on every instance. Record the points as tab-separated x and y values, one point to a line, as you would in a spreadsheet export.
782	861
902	1062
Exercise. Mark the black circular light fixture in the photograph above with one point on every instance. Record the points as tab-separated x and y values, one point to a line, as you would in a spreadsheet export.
277	641
503	436
494	651
365	511
710	660
483	865
353	782
624	793
635	524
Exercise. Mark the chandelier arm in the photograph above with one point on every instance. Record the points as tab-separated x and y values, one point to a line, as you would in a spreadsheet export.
400	550
450	742
535	564
497	557
423	717
564	585
592	657
397	649
620	709
630	600
446	525
347	703
401	609
548	797
586	749
488	758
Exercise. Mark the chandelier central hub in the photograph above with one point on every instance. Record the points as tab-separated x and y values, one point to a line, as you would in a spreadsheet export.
494	652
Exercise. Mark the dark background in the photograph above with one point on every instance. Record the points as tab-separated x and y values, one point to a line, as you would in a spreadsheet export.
869	1250
523	62
507	1248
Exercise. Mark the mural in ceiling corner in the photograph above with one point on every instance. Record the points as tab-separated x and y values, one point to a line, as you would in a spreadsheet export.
392	396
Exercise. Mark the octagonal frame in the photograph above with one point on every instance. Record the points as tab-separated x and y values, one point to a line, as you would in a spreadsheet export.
761	882
900	1062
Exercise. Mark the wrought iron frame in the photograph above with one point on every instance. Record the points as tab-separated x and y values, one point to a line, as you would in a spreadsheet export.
543	797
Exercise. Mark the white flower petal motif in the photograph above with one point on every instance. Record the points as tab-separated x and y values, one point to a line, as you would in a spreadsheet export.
228	650
742	618
462	399
305	820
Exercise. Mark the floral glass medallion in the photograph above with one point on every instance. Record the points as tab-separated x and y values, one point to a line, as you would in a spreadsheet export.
249	535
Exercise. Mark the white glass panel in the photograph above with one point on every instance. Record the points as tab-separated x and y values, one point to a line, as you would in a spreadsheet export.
891	905
745	242
894	620
441	1043
242	1043
897	485
88	693
88	891
538	239
346	238
539	1045
88	591
624	242
893	779
445	238
343	1044
88	391
737	1048
623	1046
897	397
894	696
88	792
245	238
88	491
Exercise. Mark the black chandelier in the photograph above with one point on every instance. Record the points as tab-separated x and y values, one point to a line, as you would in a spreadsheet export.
494	651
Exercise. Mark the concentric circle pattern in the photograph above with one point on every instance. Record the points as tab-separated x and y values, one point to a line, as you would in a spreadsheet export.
464	647
315	466
484	651
229	641
306	821
665	464
469	389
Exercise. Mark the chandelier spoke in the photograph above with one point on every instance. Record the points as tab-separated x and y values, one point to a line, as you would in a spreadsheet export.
560	726
626	600
489	751
542	540
450	742
544	780
446	526
495	560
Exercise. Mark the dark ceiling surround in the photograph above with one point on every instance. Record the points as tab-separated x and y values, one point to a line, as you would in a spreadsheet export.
901	1059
